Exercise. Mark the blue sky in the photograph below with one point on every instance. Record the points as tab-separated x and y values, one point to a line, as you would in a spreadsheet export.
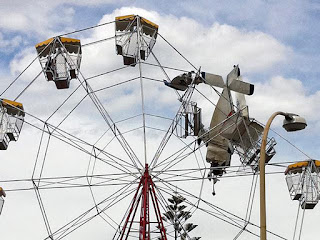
293	23
274	42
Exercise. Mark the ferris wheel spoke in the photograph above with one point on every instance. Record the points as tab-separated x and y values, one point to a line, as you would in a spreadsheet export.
20	94
180	175
105	157
24	70
116	84
79	86
166	67
186	97
99	154
81	181
81	222
183	149
124	144
142	96
177	51
216	211
184	100
165	206
87	28
188	194
186	145
42	209
107	118
178	156
193	151
95	211
236	222
249	205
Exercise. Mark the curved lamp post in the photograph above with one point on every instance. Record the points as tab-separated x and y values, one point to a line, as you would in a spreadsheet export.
292	122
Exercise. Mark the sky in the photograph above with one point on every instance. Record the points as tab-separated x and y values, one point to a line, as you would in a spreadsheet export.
275	45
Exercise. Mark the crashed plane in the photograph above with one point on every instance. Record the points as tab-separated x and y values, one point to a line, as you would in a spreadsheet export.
230	129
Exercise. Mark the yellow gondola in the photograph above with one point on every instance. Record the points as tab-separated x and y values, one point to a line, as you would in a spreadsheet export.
2	194
60	59
11	121
135	38
303	182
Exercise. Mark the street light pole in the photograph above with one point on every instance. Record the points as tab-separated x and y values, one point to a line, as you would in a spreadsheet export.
292	123
263	222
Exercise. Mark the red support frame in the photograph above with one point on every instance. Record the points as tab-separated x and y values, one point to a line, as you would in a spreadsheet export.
145	189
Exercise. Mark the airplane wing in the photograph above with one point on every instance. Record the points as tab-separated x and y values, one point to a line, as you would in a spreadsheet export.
248	132
213	79
178	83
241	87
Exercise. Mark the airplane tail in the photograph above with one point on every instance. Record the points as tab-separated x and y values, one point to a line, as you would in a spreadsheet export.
213	79
234	82
242	104
241	87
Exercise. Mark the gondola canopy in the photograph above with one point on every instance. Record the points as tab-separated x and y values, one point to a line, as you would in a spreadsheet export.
60	59
11	120
135	38
303	182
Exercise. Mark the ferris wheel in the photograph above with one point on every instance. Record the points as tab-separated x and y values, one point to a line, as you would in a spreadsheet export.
120	144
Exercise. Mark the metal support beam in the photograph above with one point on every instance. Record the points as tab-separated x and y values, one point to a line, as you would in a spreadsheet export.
145	189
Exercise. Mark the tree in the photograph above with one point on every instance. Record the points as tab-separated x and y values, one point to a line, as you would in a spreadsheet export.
177	216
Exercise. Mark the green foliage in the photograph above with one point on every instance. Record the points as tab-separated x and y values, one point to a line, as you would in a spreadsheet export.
177	217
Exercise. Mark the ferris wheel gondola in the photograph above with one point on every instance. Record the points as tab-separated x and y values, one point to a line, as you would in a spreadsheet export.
60	59
2	195
11	121
303	182
135	38
115	165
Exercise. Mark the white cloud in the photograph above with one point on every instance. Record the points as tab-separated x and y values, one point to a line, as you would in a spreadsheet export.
283	94
216	48
8	45
40	18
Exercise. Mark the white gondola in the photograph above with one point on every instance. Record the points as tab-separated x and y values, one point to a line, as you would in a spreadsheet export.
188	120
303	182
135	38
2	195
60	59
246	139
11	121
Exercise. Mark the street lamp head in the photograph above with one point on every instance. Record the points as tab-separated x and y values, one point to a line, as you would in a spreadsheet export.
293	122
